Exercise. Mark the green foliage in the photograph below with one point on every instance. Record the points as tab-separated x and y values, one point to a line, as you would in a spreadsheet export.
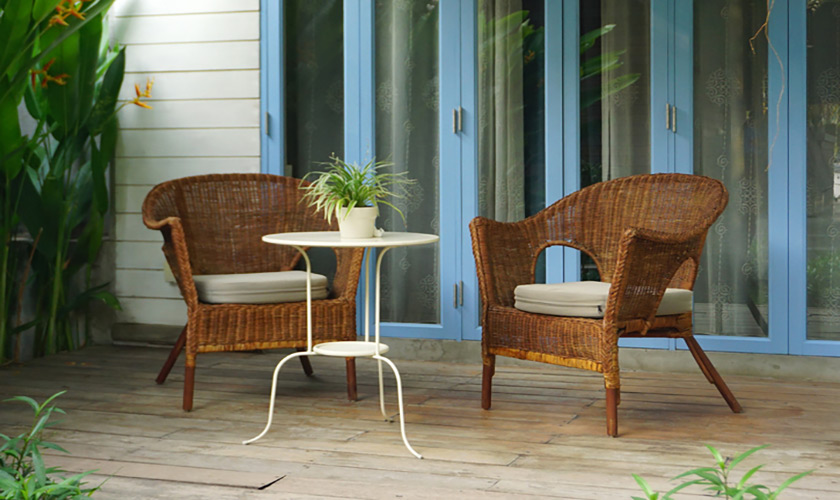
601	64
717	480
23	473
345	186
55	59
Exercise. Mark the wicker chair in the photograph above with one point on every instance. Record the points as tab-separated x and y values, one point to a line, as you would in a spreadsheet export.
212	224
645	234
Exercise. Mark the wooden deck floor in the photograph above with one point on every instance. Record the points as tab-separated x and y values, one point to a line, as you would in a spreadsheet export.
544	437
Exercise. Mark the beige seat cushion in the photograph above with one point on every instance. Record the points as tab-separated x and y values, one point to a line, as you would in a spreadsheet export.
587	299
258	288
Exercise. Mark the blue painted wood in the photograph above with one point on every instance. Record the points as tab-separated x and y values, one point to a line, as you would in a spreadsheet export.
777	179
683	89
272	146
450	203
555	86
571	120
470	327
797	213
452	224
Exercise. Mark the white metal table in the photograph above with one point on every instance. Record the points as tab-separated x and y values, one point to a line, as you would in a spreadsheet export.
366	348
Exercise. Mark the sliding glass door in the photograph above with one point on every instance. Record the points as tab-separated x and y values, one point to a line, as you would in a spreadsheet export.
409	91
731	135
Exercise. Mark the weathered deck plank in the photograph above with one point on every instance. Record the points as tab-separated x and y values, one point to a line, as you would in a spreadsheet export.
544	437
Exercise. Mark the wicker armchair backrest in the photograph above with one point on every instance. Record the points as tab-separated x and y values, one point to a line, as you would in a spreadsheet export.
595	218
224	217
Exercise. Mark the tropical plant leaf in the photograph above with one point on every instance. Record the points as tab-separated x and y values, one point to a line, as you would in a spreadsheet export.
587	41
788	482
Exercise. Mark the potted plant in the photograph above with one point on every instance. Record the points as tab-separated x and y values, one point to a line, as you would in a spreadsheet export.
353	194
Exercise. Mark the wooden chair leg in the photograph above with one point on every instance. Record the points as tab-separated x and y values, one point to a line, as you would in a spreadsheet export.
304	362
712	374
488	370
189	384
612	412
352	395
173	357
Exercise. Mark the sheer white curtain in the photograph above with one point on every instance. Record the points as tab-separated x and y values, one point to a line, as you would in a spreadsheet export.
501	148
407	134
625	114
731	144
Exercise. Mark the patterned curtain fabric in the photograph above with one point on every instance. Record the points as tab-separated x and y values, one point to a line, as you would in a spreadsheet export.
625	115
823	268
731	144
407	135
501	128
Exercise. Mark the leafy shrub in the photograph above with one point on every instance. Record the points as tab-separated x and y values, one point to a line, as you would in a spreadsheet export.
717	480
23	474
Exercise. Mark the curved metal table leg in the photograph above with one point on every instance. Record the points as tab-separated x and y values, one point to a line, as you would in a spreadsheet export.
274	392
400	400
381	392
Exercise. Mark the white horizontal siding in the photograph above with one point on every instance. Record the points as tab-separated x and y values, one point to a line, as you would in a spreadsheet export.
151	171
136	283
189	142
139	255
192	114
215	56
204	58
229	84
152	311
190	28
124	8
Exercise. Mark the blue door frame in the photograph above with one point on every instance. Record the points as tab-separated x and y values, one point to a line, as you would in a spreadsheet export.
671	82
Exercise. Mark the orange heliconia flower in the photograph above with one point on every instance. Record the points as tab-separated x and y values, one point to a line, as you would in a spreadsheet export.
65	9
147	93
46	77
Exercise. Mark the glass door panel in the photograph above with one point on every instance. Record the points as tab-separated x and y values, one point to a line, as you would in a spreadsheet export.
314	83
615	89
730	143
823	171
314	94
407	134
511	108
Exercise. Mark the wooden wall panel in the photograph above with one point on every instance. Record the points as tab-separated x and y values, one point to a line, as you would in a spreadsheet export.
204	58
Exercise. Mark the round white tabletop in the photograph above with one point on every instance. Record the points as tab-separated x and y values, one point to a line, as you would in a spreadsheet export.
334	240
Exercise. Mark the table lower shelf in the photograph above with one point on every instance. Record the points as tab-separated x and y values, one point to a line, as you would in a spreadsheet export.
349	349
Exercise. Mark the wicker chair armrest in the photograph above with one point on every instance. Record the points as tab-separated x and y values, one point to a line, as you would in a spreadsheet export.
177	255
646	263
505	256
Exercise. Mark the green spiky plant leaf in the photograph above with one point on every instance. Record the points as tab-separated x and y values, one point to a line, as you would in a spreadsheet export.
717	480
344	186
23	472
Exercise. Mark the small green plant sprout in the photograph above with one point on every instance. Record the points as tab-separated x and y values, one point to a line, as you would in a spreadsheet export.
717	480
347	185
23	474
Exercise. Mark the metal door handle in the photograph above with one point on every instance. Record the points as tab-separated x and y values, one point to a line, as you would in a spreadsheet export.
667	116
674	119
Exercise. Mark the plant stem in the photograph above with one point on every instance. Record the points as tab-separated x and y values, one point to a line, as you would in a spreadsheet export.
57	283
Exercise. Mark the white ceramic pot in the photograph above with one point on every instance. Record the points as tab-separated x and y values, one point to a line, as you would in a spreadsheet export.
360	222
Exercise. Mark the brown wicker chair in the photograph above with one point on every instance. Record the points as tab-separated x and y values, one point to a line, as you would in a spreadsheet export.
645	233
212	224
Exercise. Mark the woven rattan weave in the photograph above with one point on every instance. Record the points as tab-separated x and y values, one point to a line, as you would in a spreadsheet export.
212	224
645	233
